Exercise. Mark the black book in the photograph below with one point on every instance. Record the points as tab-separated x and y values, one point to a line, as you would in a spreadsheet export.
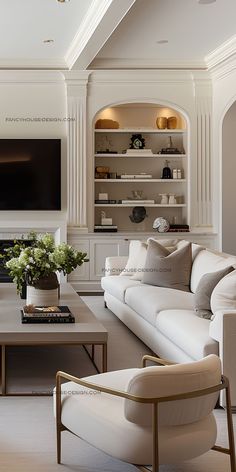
46	314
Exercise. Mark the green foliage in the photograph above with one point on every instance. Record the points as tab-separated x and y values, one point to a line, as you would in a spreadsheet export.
30	263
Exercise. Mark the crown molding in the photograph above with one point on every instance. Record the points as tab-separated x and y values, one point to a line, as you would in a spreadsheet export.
224	52
29	64
224	69
110	63
30	76
76	77
103	77
90	22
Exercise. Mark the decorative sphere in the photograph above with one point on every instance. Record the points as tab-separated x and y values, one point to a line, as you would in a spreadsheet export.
161	225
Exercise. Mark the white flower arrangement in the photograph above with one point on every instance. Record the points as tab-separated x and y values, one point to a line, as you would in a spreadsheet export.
31	263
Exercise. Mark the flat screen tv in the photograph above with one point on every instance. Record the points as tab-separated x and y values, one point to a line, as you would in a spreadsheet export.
30	174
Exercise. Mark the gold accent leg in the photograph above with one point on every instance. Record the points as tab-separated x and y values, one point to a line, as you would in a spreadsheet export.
155	452
58	418
93	352
3	366
104	357
230	431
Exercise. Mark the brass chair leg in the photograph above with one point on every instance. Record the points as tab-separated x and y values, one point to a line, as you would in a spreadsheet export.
58	417
155	451
58	444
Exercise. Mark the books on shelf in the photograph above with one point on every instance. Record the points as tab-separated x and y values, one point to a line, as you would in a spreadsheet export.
136	176
105	228
179	228
103	202
139	151
46	314
138	202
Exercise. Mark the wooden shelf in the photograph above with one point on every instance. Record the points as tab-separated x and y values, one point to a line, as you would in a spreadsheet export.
122	205
162	181
141	130
146	156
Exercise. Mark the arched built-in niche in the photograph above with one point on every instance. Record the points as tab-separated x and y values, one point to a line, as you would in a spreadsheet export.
140	118
229	181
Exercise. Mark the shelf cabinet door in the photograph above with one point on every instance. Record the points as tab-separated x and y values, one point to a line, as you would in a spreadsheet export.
82	272
102	248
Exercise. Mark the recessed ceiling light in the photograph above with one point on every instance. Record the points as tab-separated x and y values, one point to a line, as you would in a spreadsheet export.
206	2
162	41
48	41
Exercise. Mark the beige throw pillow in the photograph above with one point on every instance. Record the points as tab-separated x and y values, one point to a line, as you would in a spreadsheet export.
224	294
202	296
168	269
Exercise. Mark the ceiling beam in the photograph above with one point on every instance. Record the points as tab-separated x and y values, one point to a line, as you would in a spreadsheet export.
101	20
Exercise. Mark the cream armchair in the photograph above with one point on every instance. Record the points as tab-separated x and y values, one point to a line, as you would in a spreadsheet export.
148	416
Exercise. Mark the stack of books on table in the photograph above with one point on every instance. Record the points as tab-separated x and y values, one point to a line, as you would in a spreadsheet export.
179	228
46	314
105	229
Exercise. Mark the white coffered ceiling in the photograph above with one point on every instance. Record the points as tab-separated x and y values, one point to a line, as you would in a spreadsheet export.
106	34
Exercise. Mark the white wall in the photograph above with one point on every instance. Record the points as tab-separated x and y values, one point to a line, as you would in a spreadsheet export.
224	95
32	94
229	181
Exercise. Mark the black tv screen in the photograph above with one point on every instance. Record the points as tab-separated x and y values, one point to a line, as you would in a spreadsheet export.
30	174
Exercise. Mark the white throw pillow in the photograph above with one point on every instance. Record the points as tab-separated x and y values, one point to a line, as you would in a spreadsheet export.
208	261
224	294
136	260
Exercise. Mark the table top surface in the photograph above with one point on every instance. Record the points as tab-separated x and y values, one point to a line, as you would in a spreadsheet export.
86	328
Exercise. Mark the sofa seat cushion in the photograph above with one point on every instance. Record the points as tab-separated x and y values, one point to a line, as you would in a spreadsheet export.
187	331
117	285
148	300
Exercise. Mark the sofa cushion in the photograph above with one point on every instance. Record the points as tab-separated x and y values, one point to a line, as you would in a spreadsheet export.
224	294
208	261
168	269
117	285
137	258
148	300
202	297
187	331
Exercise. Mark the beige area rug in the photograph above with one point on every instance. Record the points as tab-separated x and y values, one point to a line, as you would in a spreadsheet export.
27	425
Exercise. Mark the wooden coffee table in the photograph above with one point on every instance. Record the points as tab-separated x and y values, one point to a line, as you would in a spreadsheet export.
86	330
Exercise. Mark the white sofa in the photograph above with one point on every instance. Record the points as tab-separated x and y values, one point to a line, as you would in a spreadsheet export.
165	320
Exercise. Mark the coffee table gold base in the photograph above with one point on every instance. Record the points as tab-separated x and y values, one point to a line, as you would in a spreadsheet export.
4	347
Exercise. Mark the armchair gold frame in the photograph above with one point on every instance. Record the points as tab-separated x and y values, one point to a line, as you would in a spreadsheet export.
155	402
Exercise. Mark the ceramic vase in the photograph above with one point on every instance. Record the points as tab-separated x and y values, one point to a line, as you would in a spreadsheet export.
45	292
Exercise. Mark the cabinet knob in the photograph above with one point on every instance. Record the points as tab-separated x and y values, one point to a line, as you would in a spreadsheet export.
126	239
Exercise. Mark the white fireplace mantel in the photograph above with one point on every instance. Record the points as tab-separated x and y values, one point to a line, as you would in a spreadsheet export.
13	229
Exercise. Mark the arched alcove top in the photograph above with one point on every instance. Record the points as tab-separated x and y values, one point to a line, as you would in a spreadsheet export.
140	115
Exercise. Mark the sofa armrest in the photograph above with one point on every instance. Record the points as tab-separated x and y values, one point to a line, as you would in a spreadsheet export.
219	323
223	329
114	265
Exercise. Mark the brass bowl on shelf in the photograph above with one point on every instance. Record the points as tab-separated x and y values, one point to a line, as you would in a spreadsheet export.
161	122
171	122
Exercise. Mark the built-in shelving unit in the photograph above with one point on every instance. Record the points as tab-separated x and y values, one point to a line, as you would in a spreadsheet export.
110	151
